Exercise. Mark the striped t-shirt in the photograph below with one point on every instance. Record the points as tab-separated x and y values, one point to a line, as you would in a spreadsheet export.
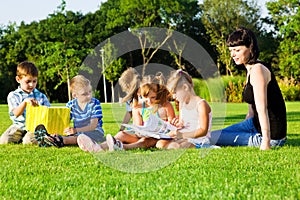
82	118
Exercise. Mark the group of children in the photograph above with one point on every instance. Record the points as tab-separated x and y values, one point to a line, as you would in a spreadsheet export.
145	96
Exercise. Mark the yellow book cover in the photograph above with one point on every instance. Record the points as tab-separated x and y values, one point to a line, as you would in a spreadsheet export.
55	119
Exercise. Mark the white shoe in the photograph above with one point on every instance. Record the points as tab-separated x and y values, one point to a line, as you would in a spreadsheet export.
113	144
85	143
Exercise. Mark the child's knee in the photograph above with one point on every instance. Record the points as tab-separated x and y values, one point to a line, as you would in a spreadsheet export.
173	145
162	144
12	135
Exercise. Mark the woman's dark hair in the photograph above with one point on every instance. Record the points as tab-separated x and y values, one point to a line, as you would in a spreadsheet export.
244	36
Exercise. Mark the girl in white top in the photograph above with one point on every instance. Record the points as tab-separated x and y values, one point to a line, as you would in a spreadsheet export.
195	115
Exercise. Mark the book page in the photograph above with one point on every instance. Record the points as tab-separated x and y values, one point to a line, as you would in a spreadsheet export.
153	127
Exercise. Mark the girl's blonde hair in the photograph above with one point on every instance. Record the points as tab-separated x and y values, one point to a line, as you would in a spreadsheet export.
78	82
177	79
130	83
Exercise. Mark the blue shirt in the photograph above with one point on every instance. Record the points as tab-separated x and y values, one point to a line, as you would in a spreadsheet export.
83	118
15	98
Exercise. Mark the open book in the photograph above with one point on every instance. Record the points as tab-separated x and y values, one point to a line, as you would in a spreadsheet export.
154	127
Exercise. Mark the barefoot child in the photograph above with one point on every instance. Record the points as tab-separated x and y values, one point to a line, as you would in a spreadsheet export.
155	100
195	114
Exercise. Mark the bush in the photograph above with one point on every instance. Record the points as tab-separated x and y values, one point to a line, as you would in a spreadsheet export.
234	88
290	89
220	89
213	89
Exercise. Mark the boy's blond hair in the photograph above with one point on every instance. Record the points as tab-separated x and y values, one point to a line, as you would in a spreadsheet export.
27	68
78	82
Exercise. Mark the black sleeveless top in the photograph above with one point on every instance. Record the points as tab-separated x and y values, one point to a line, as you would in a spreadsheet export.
276	107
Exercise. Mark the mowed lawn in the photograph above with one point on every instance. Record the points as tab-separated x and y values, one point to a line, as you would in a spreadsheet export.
31	172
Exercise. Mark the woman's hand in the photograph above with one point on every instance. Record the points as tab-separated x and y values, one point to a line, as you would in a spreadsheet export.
265	144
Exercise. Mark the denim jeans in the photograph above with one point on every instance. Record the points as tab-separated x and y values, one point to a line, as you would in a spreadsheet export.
241	134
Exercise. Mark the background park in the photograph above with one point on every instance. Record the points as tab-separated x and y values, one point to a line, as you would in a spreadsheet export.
59	45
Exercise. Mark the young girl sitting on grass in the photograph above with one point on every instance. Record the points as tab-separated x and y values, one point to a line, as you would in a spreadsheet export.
195	115
155	100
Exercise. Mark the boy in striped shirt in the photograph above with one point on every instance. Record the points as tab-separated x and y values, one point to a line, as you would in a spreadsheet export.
86	113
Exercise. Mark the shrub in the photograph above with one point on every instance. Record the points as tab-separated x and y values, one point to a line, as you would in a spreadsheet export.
219	90
213	89
234	88
290	89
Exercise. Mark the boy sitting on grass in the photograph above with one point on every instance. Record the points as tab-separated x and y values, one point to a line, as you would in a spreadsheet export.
27	74
86	112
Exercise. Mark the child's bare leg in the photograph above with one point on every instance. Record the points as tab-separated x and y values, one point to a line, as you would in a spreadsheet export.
69	140
126	137
163	144
185	144
141	143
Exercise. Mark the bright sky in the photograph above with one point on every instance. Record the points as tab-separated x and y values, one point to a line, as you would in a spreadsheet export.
34	10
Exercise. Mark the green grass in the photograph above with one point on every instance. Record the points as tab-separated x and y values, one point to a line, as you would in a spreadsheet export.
30	172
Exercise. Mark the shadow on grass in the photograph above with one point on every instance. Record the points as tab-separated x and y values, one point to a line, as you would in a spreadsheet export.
293	139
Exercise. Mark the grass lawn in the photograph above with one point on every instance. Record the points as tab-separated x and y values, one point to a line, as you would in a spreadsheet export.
31	172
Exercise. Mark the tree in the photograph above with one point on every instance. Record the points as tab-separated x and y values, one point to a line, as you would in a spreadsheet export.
137	15
222	17
285	14
8	60
112	66
59	53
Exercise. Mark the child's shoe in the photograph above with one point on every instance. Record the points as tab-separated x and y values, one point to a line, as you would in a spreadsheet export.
85	143
12	135
113	144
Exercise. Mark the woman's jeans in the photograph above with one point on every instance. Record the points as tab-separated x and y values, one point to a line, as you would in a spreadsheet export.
241	134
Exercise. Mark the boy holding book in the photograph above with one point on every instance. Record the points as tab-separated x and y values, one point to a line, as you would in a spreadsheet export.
86	114
27	75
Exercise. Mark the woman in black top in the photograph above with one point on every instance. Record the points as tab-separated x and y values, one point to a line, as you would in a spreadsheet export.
265	123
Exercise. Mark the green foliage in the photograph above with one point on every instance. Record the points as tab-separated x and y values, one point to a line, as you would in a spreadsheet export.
234	88
59	43
211	90
30	172
220	18
223	89
290	89
286	18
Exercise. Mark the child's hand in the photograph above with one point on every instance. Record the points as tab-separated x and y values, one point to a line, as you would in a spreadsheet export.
32	101
175	134
177	123
70	131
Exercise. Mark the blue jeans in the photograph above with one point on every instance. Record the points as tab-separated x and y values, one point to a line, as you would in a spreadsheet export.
241	134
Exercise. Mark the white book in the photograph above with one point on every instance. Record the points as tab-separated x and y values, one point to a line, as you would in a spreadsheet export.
154	127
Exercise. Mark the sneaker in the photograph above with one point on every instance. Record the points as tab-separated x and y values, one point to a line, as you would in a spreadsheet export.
113	144
85	143
12	135
40	134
